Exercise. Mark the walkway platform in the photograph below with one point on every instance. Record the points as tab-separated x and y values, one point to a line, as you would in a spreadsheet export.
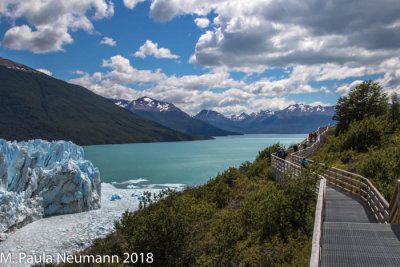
351	236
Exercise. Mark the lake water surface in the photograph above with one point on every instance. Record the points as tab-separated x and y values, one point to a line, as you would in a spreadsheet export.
178	164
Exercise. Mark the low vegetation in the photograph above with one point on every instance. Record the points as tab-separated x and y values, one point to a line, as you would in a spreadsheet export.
244	217
367	138
241	218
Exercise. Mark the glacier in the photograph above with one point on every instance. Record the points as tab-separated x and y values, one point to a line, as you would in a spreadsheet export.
40	178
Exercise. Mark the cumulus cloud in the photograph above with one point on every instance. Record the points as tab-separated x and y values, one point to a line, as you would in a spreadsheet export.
344	89
202	22
331	40
151	49
108	41
255	35
132	3
50	22
122	72
390	81
47	72
213	90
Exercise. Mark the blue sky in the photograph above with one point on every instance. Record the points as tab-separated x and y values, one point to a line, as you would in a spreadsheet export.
227	55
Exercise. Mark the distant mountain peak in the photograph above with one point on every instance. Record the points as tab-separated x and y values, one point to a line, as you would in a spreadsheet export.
16	66
211	113
242	116
304	108
170	116
150	104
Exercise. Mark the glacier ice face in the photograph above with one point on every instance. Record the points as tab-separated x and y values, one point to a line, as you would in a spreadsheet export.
40	178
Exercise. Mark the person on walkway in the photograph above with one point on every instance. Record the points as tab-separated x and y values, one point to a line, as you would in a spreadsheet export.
304	163
278	153
283	154
295	148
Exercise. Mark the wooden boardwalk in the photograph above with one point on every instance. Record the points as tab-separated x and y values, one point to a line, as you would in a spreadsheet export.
352	237
354	224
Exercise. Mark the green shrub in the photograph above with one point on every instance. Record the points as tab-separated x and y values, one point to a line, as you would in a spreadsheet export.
240	218
363	134
383	167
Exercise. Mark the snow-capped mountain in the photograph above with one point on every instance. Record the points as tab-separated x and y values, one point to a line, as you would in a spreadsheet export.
302	108
169	115
240	117
36	105
297	118
262	114
150	104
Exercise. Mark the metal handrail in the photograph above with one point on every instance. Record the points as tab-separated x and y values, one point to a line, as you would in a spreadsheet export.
318	221
349	182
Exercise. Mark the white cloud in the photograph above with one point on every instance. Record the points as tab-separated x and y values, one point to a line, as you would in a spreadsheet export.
202	22
275	103
122	72
47	72
132	3
50	22
151	49
215	90
258	34
108	41
43	40
344	89
391	79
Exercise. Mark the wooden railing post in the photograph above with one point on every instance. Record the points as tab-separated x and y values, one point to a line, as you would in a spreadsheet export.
351	184
335	178
396	208
342	180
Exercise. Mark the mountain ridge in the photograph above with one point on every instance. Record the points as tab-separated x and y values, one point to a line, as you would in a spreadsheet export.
296	118
169	115
34	105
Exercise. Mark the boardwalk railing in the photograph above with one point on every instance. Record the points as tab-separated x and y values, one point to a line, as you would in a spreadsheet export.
355	184
318	220
360	187
321	137
282	167
352	183
394	205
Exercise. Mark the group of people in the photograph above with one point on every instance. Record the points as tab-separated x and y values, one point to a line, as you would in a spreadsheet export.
312	137
281	153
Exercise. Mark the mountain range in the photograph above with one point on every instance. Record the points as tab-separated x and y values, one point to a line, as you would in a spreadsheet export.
296	118
34	105
169	115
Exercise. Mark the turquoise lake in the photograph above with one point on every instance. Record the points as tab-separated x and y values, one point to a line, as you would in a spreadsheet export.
178	164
